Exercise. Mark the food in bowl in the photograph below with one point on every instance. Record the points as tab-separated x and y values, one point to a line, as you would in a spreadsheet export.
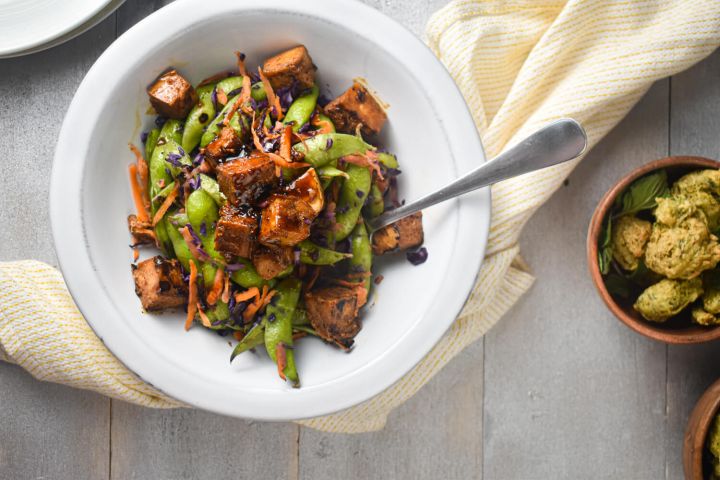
659	247
712	450
256	192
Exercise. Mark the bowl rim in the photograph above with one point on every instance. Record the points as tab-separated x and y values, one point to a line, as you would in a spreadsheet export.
70	238
688	336
697	429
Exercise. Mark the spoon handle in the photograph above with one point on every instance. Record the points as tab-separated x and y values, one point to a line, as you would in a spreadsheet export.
558	142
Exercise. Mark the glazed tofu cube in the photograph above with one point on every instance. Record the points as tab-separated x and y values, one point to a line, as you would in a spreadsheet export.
159	284
142	233
246	180
401	235
172	96
308	187
226	144
354	107
290	66
285	221
270	261
236	232
333	314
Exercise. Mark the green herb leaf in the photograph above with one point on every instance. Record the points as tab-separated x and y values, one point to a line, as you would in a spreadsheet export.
642	193
618	286
605	248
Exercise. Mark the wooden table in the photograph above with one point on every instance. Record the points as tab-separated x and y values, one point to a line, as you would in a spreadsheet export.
559	389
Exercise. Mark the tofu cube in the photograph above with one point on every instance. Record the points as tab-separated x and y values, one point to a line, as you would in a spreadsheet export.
333	314
404	234
289	66
172	96
142	233
354	107
226	144
159	284
285	221
246	180
236	232
270	261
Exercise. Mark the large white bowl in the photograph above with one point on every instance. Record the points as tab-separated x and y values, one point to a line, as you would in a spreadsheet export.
429	128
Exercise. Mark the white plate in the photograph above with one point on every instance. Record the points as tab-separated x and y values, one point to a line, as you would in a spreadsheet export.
101	15
429	128
27	24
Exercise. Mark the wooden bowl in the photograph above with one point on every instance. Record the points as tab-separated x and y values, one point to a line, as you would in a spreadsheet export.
674	332
697	429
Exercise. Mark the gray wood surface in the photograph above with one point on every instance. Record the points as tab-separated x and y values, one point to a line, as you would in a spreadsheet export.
559	389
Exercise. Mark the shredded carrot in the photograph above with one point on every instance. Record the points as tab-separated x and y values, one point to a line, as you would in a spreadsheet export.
190	241
264	293
299	335
136	254
192	296
238	335
362	295
364	161
280	162
285	144
203	317
221	96
166	205
232	111
250	311
143	173
241	64
260	302
345	283
323	125
281	357
142	213
247	294
245	94
216	291
225	297
359	275
273	99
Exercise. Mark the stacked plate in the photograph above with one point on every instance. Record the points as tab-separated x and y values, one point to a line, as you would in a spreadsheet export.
29	26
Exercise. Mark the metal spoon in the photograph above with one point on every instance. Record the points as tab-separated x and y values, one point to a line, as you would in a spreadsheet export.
556	143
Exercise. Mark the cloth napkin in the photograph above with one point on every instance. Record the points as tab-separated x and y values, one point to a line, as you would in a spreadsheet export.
520	65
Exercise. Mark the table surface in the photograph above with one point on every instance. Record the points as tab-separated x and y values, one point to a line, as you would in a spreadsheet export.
559	389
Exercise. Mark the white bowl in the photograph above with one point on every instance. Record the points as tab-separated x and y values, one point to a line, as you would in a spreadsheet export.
429	128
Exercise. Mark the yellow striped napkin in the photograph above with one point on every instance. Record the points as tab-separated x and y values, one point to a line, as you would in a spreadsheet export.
520	64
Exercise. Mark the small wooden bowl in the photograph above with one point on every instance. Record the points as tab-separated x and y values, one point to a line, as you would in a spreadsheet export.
698	426
674	333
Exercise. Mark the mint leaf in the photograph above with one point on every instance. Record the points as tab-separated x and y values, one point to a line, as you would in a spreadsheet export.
605	248
642	193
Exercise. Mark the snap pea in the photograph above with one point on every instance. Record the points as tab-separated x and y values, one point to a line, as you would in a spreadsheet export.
257	92
330	171
248	277
182	252
163	237
327	147
201	208
376	204
151	141
305	329
352	197
198	118
212	187
213	127
179	219
218	313
172	130
230	84
312	254
254	338
388	159
325	118
361	261
278	325
301	109
159	166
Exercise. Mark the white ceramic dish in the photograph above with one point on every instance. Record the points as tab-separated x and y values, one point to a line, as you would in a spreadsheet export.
69	35
429	128
26	25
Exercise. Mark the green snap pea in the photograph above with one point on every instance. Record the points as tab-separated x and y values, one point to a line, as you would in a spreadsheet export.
198	118
163	237
327	147
257	92
212	188
301	109
352	197
151	141
218	313
312	254
330	172
388	159
179	219
305	329
230	84
325	118
376	204
248	277
254	338
201	208
159	166
278	325
172	130
182	252
361	261
213	127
